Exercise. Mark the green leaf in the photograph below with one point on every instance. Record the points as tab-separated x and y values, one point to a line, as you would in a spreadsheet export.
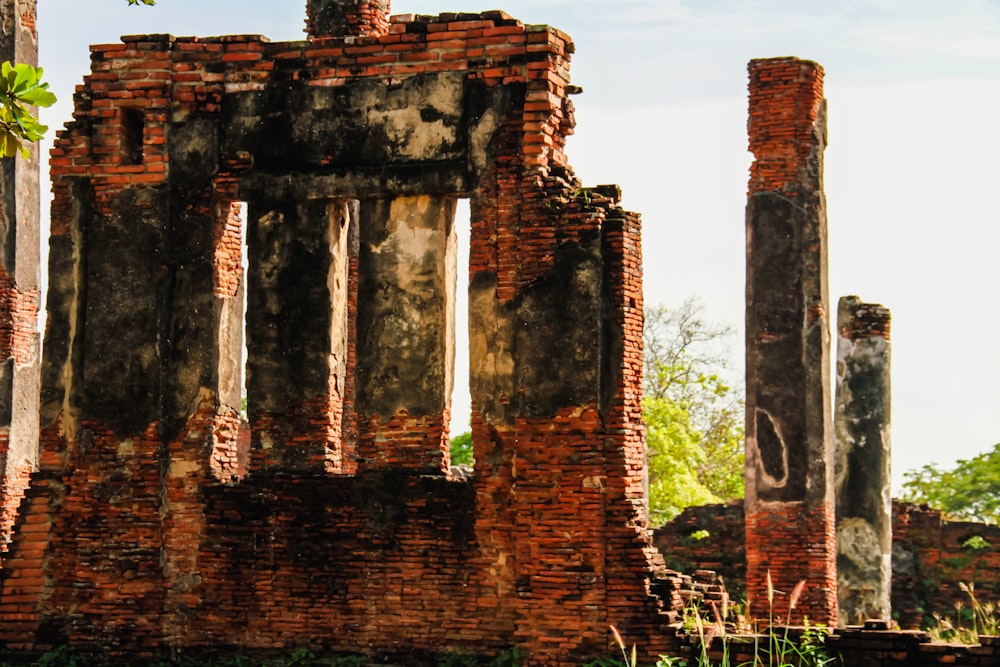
39	96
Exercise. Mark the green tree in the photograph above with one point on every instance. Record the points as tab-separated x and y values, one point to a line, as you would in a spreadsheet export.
694	418
968	492
461	449
21	88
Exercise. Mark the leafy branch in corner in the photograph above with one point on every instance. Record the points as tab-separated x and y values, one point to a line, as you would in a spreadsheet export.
21	87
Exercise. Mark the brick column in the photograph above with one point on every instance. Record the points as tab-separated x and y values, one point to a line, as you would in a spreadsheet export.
19	288
406	331
789	443
342	18
297	351
864	496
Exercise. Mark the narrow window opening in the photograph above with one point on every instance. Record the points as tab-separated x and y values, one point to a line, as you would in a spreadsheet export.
461	398
244	267
133	127
229	446
244	434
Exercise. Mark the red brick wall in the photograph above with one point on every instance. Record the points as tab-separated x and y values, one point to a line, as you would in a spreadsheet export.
15	482
930	557
787	98
18	336
229	252
789	549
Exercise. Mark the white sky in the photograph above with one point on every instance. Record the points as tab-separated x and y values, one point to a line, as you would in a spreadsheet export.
911	170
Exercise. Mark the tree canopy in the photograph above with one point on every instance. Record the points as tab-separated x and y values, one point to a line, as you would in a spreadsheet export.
968	492
694	418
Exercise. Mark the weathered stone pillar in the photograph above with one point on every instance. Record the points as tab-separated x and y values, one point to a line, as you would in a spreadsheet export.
297	330
406	331
864	497
789	440
341	18
19	288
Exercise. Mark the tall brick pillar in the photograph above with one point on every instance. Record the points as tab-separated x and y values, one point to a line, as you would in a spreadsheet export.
19	288
343	18
864	496
789	440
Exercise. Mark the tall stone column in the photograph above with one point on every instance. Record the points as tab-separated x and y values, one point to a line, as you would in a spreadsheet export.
406	331
297	332
19	288
864	496
343	18
789	440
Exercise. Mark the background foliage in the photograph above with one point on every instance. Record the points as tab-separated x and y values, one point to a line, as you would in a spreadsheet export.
694	416
970	491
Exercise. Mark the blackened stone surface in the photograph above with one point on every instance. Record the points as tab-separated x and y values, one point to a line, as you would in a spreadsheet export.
291	310
788	436
126	299
541	351
190	349
406	293
63	354
360	124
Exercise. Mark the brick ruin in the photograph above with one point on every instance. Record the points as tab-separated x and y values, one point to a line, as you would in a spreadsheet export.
930	556
342	157
160	522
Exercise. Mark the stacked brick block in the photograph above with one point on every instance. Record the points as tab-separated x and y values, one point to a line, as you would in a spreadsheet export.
790	531
346	533
337	18
229	252
785	115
